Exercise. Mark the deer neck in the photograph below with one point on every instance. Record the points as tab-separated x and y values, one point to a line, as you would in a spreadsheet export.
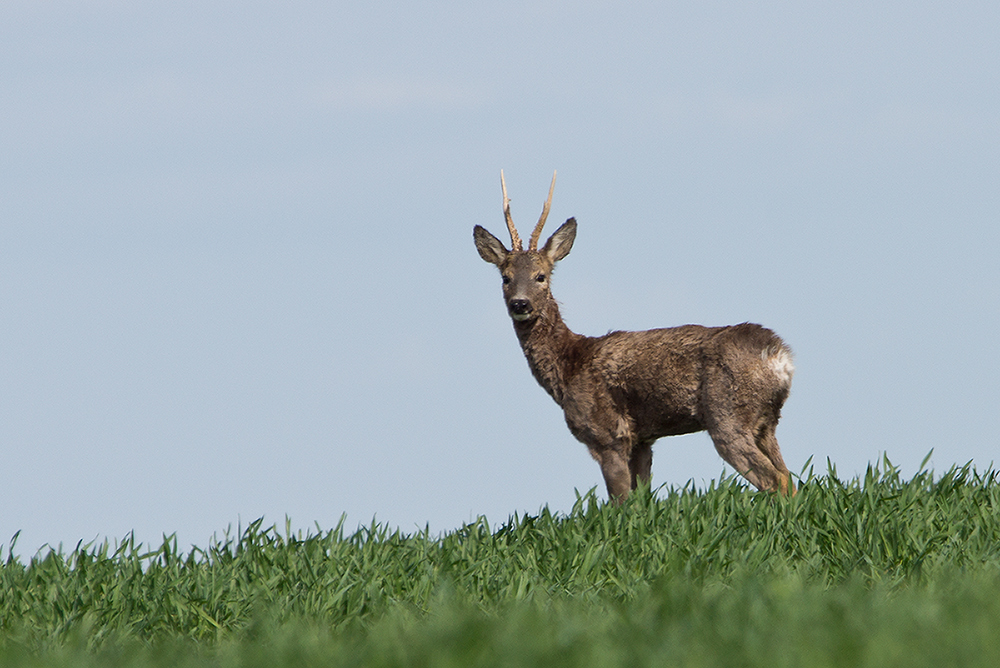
549	346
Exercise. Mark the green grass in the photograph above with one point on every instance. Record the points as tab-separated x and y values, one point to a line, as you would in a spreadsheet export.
876	571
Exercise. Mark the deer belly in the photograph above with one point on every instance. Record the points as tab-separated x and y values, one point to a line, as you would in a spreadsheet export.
654	421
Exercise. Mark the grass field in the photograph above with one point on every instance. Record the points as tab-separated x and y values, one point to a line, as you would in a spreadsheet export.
875	571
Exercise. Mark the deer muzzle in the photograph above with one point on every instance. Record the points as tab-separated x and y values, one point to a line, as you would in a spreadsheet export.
520	309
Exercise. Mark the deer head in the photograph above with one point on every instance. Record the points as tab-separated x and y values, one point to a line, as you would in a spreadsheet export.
526	273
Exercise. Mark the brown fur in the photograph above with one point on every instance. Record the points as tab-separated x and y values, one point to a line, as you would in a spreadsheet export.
622	391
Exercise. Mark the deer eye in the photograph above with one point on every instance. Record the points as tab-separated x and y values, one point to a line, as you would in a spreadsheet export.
540	278
506	280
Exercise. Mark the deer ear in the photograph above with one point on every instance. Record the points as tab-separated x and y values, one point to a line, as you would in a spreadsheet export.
561	241
489	247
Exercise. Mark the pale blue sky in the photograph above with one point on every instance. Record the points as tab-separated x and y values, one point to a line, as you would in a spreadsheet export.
237	276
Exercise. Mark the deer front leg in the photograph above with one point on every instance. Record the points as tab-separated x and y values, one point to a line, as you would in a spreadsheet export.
641	463
617	476
608	435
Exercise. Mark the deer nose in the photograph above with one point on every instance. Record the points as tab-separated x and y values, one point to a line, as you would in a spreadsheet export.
520	307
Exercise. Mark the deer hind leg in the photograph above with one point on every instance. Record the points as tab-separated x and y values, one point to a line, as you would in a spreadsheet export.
739	448
767	443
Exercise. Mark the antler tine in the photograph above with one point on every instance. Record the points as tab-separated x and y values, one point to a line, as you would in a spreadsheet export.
537	232
515	240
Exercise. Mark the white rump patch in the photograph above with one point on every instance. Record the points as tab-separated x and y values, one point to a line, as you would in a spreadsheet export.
779	360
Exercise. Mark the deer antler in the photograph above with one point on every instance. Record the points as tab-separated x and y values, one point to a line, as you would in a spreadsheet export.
514	239
537	232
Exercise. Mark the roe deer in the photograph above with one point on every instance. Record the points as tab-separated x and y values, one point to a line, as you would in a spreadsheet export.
622	391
